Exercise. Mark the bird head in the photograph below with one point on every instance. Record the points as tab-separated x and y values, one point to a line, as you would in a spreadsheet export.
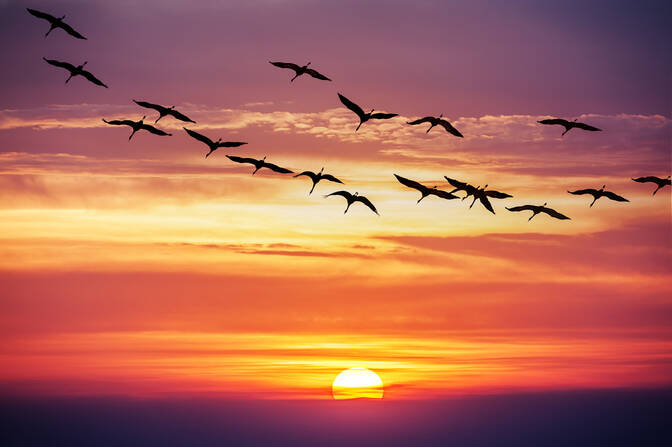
307	64
371	111
172	107
62	17
143	117
485	187
544	204
356	193
220	139
603	186
434	187
264	159
441	116
322	170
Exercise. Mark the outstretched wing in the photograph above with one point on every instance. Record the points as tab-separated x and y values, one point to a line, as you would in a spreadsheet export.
60	64
486	203
93	79
317	74
149	105
586	127
522	208
230	144
551	212
307	174
154	130
241	159
559	121
427	119
410	183
120	122
198	136
285	65
70	30
331	178
180	116
277	168
614	197
456	183
579	192
646	179
41	15
383	116
497	195
450	129
366	202
443	194
351	105
345	194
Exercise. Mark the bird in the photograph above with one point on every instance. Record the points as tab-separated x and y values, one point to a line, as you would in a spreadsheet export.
569	125
75	71
597	193
482	194
300	70
56	22
536	209
424	190
352	198
136	126
163	111
364	117
213	145
437	121
258	164
317	177
460	186
661	182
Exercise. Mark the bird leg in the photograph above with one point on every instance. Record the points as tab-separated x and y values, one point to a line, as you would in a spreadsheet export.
659	186
346	208
566	130
295	76
533	214
423	196
68	80
430	128
473	201
360	124
50	30
311	189
591	205
132	133
211	151
157	120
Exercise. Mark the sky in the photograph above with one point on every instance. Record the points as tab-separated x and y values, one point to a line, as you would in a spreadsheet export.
143	269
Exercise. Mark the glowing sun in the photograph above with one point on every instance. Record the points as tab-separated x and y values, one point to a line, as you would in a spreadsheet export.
357	383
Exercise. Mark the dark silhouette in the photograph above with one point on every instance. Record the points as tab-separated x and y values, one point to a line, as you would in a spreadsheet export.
163	111
569	125
437	121
364	117
138	125
213	145
536	209
460	186
424	190
352	198
300	70
258	164
75	71
481	194
317	177
597	193
56	22
661	182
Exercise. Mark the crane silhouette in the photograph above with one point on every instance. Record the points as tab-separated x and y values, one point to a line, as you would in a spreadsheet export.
258	164
56	22
136	126
299	70
213	145
352	198
424	190
316	177
536	209
437	121
75	71
481	194
364	117
597	193
569	125
163	111
660	182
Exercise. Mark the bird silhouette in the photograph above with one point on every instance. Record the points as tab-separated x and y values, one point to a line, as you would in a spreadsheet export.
300	70
75	71
536	209
352	198
597	193
437	121
317	177
424	190
56	22
364	117
163	111
569	125
460	186
213	145
258	164
136	126
660	182
482	194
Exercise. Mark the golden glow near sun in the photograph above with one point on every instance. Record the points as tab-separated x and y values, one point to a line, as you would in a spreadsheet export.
357	383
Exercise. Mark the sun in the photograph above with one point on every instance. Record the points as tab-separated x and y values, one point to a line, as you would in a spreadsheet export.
357	383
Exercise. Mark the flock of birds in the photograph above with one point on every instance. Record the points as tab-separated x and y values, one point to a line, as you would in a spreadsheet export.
482	194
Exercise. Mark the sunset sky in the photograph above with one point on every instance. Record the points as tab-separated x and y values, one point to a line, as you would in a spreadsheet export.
142	269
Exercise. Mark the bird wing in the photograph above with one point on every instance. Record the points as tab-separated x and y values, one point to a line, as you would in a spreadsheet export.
586	127
456	183
427	119
331	178
154	130
410	183
559	121
120	122
497	195
310	174
522	208
551	212
383	116
180	116
651	179
60	64
366	202
450	129
241	159
70	30
351	105
93	79
149	105
198	136
615	197
443	194
230	144
285	65
579	192
41	15
317	74
277	168
486	203
345	194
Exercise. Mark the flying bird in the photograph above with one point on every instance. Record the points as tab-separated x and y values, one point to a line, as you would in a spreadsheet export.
424	190
317	177
352	198
482	194
437	121
364	117
163	111
569	125
75	71
213	145
136	126
661	182
300	70
56	22
597	193
536	209
460	186
258	164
